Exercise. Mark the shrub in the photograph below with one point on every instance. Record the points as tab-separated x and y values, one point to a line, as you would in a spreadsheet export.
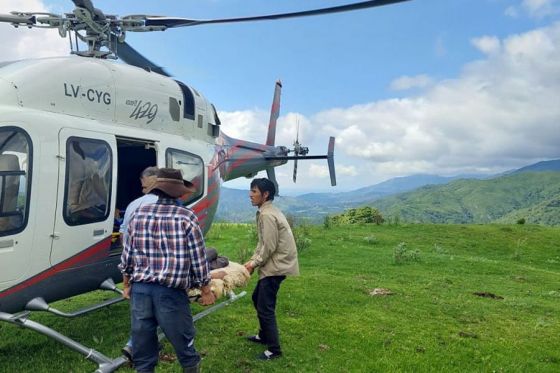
327	222
439	250
362	215
370	240
402	255
521	221
302	243
243	254
301	236
395	220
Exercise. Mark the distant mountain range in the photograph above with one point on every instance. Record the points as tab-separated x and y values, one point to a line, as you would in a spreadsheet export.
531	192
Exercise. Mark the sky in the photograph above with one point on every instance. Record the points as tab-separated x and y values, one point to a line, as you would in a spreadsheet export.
443	87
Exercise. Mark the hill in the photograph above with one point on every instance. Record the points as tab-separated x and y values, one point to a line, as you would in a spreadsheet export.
553	165
235	207
383	189
411	199
531	195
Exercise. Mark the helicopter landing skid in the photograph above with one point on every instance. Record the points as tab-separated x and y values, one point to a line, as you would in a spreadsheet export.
105	364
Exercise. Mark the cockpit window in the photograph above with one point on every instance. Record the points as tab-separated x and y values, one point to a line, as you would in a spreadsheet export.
188	98
192	168
15	179
88	181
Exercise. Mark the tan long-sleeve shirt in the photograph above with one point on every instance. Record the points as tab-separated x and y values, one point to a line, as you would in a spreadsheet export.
276	252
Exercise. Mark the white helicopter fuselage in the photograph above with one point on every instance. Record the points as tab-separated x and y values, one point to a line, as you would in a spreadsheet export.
73	119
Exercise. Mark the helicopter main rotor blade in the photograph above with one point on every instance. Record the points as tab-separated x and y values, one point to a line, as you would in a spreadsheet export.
132	57
170	22
88	5
18	20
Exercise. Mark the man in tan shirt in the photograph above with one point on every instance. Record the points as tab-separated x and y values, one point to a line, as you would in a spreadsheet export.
275	257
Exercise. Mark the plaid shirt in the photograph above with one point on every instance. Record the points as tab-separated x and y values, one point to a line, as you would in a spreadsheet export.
165	245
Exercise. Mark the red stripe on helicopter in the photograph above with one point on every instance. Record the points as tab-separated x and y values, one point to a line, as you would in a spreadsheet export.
100	249
204	204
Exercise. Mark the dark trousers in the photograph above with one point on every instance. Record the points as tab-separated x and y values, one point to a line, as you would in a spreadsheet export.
153	305
264	300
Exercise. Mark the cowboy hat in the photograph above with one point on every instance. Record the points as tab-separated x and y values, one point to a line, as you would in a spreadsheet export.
170	181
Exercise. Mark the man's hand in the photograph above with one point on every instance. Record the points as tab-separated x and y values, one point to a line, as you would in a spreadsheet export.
249	267
206	296
126	287
126	292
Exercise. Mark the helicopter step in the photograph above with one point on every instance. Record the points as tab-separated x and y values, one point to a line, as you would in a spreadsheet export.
39	304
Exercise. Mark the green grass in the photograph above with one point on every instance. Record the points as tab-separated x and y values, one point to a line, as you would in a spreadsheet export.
329	322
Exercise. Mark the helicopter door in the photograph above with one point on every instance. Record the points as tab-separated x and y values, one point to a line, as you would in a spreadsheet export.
86	190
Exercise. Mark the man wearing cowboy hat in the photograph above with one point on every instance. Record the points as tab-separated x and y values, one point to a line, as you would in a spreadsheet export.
163	256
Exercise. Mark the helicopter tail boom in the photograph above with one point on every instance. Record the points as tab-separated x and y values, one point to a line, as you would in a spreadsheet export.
240	158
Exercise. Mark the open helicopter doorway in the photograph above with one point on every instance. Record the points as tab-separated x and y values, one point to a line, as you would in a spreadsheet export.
134	155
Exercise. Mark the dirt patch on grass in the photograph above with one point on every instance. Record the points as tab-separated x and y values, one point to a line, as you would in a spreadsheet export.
380	292
485	294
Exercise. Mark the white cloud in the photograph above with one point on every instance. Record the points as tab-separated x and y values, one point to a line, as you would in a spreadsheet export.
541	8
29	43
500	112
534	8
249	125
322	170
316	170
408	82
345	170
487	44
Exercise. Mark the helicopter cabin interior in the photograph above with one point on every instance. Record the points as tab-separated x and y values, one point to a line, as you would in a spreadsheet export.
133	157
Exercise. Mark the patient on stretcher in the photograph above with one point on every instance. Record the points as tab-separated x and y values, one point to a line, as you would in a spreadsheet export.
225	279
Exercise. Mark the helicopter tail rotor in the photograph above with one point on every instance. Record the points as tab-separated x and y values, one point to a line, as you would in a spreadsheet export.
298	151
330	161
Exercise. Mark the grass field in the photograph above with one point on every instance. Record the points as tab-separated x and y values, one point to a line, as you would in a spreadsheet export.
330	322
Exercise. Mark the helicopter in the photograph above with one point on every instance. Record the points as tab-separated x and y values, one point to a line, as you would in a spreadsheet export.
75	134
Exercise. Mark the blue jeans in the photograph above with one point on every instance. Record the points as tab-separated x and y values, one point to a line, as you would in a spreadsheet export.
153	305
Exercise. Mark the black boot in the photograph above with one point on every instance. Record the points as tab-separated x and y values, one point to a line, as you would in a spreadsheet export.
193	369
